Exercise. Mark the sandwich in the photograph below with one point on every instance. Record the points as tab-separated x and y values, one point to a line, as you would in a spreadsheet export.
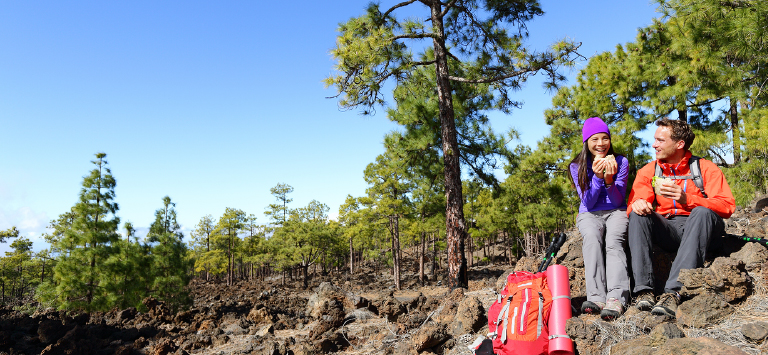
657	181
609	157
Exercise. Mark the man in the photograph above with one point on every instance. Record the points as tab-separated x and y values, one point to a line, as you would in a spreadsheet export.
684	219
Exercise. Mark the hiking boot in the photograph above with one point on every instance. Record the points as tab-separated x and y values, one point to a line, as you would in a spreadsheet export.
667	305
645	301
612	310
589	307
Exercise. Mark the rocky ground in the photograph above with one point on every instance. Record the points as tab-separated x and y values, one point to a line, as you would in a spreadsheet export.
725	311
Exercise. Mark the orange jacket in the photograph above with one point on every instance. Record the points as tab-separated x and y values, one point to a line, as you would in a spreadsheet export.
720	198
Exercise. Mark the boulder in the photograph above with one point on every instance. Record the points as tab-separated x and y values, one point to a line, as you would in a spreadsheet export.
502	280
637	346
327	305
760	204
263	331
755	331
206	325
753	255
410	299
415	319
260	315
51	330
470	317
701	345
726	276
157	308
428	336
570	254
584	336
448	306
322	295
330	341
703	310
527	263
390	308
755	231
353	301
163	347
663	332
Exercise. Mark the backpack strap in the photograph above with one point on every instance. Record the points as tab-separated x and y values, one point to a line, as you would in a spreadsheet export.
696	174
657	173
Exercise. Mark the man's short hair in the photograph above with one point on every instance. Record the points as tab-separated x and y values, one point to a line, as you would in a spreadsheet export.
680	131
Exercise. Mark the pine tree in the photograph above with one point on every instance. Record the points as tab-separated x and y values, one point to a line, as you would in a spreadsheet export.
304	238
488	36
81	276
278	212
9	233
226	236
133	265
390	184
201	244
169	257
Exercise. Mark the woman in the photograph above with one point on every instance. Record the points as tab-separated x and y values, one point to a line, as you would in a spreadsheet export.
602	186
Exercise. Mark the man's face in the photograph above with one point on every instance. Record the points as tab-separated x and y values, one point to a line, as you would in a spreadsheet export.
664	145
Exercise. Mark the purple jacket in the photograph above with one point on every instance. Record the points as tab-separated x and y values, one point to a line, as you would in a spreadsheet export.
598	197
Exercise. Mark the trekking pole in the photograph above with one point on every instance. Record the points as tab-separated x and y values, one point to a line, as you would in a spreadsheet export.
749	239
557	242
547	252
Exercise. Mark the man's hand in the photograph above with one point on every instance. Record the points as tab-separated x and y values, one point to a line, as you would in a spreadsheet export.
642	207
673	191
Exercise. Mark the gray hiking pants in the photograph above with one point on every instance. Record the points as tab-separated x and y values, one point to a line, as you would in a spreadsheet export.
605	257
689	236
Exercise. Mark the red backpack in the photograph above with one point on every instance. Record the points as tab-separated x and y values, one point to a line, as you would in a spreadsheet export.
518	322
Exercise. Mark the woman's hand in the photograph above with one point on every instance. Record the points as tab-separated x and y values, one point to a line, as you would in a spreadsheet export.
598	166
611	168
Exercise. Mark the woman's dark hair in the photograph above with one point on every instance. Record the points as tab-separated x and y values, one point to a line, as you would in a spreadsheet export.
584	160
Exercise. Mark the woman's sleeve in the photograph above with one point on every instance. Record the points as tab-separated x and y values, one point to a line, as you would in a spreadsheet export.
617	193
589	197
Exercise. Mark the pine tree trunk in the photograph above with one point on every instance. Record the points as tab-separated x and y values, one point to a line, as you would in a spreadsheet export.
421	257
396	250
351	258
735	133
471	243
454	211
434	253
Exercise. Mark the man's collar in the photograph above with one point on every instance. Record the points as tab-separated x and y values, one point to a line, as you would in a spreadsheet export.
683	161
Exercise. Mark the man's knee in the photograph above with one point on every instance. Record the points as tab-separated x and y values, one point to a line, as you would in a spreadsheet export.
702	211
637	223
636	218
701	216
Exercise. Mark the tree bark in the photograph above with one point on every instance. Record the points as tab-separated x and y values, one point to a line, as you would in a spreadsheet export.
735	133
394	224
421	258
454	208
351	258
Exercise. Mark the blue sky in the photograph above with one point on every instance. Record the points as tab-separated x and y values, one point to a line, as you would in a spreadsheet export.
210	103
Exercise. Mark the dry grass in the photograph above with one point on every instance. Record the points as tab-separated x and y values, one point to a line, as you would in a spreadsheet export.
728	331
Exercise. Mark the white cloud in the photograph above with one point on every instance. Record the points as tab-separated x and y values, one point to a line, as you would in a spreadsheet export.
30	223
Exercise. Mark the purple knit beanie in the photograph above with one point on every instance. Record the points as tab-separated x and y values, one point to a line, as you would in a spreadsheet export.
593	126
